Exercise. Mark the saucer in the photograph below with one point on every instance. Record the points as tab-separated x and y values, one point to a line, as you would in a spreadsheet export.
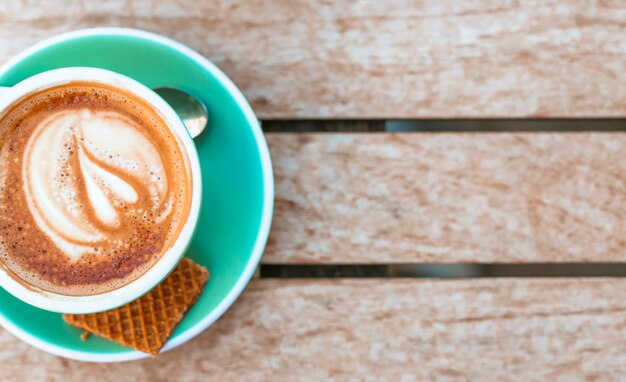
237	179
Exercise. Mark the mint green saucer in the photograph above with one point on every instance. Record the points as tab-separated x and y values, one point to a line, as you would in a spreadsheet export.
237	179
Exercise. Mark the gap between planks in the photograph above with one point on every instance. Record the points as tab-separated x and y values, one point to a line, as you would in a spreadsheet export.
442	271
444	125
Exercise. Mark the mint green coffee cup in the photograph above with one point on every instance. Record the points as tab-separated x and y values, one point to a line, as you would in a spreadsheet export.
237	179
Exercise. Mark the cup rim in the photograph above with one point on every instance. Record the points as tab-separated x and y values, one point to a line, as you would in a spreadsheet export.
268	192
158	271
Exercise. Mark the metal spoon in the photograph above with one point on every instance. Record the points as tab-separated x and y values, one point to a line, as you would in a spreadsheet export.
193	112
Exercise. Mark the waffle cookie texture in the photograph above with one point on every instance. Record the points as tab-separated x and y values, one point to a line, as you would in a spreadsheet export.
148	322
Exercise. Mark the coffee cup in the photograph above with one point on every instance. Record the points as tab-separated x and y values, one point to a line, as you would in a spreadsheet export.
109	191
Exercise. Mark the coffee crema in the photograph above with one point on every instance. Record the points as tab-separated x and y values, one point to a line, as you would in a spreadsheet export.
94	188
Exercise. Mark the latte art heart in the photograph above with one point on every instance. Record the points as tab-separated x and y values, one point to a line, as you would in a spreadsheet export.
94	188
83	170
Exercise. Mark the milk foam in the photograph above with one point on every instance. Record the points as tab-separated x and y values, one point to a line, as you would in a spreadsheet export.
83	170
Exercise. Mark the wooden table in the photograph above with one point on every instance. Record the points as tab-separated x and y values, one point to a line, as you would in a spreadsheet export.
374	197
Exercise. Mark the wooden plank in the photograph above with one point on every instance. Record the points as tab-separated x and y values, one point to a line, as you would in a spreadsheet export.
449	197
379	59
505	329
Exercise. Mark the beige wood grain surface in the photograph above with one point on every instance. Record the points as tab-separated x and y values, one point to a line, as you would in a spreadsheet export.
389	198
448	197
371	59
505	329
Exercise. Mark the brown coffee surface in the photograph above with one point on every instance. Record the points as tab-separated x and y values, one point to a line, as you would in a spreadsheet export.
94	189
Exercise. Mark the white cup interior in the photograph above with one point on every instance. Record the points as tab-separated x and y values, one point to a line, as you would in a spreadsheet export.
144	283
